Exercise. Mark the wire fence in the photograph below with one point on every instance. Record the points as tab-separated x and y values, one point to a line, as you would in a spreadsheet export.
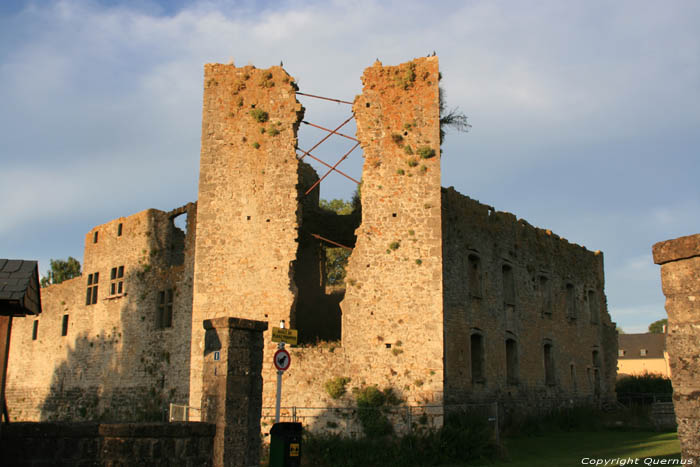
630	399
404	419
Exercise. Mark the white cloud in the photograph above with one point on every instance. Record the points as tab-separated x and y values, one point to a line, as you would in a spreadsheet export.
574	105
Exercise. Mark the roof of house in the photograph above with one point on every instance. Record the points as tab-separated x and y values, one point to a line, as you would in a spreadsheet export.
19	287
632	344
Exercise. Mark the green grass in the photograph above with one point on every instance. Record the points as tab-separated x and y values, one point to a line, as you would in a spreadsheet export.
569	448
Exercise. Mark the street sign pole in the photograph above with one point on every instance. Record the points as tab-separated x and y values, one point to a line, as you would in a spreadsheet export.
278	402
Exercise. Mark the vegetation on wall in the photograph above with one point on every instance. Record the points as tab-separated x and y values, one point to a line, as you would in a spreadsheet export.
657	327
61	270
337	258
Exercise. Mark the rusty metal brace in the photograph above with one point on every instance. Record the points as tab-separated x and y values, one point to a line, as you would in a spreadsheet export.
324	98
330	241
332	169
328	135
326	129
327	165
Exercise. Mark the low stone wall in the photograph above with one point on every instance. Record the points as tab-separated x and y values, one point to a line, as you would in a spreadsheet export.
93	444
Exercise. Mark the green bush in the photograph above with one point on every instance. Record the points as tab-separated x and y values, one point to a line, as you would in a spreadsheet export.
336	387
426	152
259	115
461	438
370	404
645	383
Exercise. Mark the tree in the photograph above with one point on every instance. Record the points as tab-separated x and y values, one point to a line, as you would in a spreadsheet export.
61	270
657	327
453	118
337	258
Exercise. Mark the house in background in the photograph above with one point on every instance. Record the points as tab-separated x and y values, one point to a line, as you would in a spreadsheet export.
642	353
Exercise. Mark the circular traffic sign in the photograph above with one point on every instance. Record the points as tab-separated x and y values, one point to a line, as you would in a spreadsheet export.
282	360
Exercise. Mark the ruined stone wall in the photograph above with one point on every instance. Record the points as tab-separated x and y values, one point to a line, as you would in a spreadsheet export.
248	210
680	282
554	296
392	310
113	363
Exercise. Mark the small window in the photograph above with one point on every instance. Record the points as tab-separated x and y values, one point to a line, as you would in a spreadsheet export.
116	286
621	352
593	306
572	376
548	364
35	330
94	237
508	285
91	295
545	296
570	302
64	326
477	357
511	361
595	359
474	276
164	313
119	230
643	352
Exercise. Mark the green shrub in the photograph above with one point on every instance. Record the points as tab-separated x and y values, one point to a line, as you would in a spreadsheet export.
259	115
370	403
645	383
336	387
426	152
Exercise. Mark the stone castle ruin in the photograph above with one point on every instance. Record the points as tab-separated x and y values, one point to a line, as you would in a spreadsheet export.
447	301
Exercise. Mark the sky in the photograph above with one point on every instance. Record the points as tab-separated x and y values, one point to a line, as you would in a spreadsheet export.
585	114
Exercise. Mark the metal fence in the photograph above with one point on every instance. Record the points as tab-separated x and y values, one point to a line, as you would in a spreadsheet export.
182	413
629	399
404	419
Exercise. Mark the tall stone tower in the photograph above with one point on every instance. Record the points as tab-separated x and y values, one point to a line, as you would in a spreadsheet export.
247	211
392	312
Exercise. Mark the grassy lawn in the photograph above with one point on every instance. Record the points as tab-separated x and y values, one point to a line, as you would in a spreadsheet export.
569	448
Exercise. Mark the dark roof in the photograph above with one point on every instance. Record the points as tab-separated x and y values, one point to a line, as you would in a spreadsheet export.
19	287
632	344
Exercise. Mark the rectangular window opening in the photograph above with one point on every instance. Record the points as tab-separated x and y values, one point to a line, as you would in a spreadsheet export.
474	276
116	286
64	326
119	230
511	361
548	365
508	285
570	302
477	358
593	306
35	330
164	312
91	293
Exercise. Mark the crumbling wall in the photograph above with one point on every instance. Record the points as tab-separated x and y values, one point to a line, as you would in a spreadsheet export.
507	280
248	211
680	281
114	361
392	310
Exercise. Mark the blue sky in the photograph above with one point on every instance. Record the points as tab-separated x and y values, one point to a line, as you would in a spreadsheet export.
586	115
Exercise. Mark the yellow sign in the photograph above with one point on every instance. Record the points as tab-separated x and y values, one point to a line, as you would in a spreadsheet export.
288	336
293	449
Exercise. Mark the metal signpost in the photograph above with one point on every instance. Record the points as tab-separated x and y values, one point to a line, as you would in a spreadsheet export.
282	359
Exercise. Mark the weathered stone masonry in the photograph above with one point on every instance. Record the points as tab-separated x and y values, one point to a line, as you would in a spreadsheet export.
114	362
680	280
446	300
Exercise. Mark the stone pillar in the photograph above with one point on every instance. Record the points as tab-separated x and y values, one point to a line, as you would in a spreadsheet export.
680	282
232	388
